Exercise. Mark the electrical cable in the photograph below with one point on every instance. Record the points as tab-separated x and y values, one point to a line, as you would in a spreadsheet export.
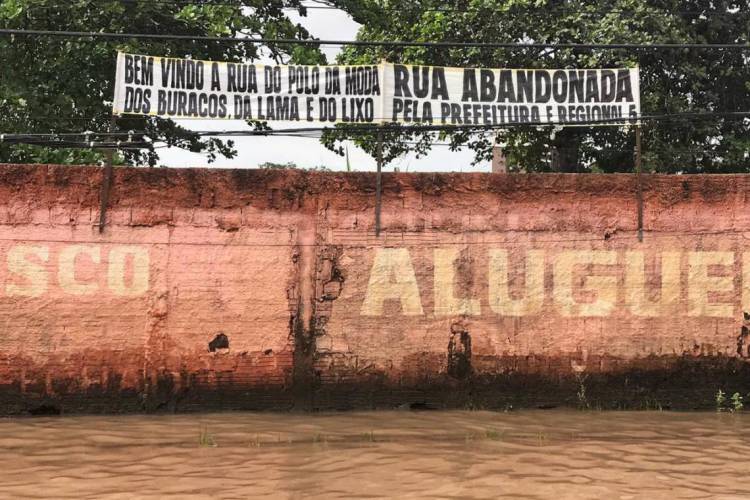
451	10
371	43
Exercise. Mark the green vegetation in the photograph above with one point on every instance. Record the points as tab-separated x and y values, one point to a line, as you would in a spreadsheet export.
256	442
269	165
583	402
320	438
732	404
493	435
63	85
672	81
206	439
736	400
368	437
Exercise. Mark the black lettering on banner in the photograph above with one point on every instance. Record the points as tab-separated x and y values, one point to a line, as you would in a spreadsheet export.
427	112
303	79
560	86
161	102
193	104
242	78
592	86
549	112
445	111
486	114
487	96
576	82
412	110
401	81
215	78
139	70
525	86
129	72
242	108
505	87
456	114
310	108
421	77
362	80
543	84
274	108
501	110
199	76
181	103
467	114
332	83
327	109
375	75
137	100
282	108
609	85
487	85
398	108
357	110
272	79
535	115
470	86
183	74
439	86
222	106
624	86
166	65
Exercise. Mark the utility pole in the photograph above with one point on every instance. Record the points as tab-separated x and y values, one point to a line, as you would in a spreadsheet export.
106	181
639	180
379	183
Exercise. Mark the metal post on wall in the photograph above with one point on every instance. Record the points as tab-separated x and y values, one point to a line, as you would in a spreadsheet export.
379	183
106	181
639	180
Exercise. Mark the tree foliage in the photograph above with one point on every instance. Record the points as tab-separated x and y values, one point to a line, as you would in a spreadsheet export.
672	81
66	85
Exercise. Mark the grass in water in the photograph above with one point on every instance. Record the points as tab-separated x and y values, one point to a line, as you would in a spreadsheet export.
493	435
206	439
320	438
255	442
368	437
732	404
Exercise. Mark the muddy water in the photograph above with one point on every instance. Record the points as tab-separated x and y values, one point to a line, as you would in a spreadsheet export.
540	454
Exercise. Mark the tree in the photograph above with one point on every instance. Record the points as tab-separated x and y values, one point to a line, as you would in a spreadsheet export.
672	81
63	84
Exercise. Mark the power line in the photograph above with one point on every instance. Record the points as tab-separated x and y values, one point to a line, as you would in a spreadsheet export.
451	10
97	140
371	43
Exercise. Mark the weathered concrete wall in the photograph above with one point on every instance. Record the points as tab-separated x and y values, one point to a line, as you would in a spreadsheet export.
483	290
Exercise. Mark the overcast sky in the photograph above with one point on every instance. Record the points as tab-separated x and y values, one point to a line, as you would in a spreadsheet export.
307	153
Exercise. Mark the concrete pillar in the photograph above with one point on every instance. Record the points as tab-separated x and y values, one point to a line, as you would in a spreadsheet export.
499	165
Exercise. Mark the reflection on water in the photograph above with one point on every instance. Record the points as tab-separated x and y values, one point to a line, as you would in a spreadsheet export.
540	454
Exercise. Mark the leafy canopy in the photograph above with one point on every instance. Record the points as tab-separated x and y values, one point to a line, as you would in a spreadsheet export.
672	81
66	85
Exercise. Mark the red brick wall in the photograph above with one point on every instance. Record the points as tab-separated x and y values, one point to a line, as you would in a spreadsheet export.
479	284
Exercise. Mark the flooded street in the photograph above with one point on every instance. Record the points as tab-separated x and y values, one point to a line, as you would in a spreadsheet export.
535	454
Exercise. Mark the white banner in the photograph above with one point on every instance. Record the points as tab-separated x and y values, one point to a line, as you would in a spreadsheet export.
385	93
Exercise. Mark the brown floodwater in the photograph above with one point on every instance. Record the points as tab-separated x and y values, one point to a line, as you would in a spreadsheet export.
535	454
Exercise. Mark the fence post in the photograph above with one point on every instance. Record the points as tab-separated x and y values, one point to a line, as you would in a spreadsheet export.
106	181
379	183
639	180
